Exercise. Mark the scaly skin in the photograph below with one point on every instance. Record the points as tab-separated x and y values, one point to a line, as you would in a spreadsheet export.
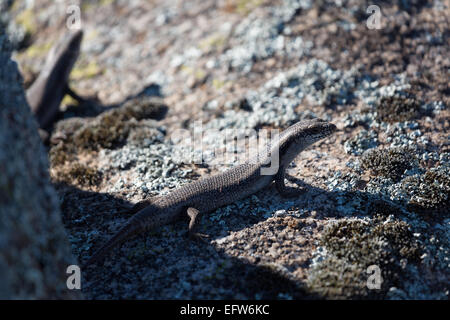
45	94
208	194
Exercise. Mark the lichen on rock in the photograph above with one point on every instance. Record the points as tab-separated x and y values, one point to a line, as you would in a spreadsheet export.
390	162
430	192
398	108
351	246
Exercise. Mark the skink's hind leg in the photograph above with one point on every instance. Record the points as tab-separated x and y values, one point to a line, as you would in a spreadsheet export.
194	216
283	190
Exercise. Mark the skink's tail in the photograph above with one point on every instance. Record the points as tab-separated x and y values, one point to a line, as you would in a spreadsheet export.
130	229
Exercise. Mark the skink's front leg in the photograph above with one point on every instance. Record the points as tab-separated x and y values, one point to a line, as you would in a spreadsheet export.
283	190
194	215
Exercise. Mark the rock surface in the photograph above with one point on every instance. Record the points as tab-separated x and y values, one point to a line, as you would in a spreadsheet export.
377	190
34	251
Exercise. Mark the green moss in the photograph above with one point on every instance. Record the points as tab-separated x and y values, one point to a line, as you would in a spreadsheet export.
37	50
61	153
214	42
86	71
90	5
143	108
197	73
389	163
430	191
396	109
244	7
108	130
27	20
87	6
82	136
354	245
106	2
219	84
112	127
336	279
69	101
81	175
65	151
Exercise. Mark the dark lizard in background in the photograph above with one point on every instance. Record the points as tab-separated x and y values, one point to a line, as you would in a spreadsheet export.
47	91
208	194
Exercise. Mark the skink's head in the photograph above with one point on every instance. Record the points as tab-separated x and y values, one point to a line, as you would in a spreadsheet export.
308	131
312	130
301	135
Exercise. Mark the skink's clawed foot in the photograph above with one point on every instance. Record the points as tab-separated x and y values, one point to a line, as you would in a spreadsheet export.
290	177
199	236
194	216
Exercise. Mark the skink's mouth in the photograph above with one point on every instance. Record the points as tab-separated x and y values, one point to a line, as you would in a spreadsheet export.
322	130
